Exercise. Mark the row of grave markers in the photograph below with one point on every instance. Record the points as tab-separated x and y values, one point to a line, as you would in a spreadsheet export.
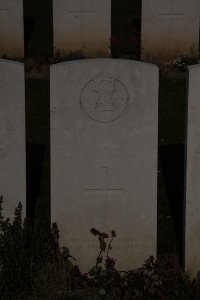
169	27
104	131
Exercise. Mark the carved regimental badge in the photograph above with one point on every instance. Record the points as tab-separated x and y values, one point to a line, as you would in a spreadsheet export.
104	98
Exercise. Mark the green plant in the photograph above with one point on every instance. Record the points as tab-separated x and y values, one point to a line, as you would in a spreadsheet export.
160	279
13	255
34	267
31	261
176	284
113	284
184	60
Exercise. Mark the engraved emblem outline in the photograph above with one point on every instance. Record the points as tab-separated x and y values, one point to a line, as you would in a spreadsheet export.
101	100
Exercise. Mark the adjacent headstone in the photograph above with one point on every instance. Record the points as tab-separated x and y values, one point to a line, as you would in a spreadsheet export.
82	27
192	219
12	136
169	27
11	28
104	116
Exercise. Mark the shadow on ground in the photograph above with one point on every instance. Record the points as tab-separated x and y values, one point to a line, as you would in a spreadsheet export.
172	168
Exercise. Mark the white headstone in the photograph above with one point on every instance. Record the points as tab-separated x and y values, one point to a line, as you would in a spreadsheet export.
11	28
169	27
192	220
82	25
104	157
12	136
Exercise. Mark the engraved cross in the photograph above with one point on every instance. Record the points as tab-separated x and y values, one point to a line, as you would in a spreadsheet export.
3	9
83	10
104	191
3	6
171	15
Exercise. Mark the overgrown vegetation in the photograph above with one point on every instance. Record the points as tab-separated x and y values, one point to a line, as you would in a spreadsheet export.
184	60
31	262
34	267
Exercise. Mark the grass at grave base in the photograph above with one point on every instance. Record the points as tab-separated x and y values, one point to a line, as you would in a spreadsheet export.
34	267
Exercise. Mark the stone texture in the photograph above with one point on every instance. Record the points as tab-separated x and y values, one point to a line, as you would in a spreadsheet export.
169	27
11	28
192	219
104	157
82	25
12	136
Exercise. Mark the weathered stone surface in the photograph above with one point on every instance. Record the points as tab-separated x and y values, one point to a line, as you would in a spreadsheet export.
169	27
12	136
192	220
104	157
82	26
11	28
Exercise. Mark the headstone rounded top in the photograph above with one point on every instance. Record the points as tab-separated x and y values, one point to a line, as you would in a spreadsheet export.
104	98
6	62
